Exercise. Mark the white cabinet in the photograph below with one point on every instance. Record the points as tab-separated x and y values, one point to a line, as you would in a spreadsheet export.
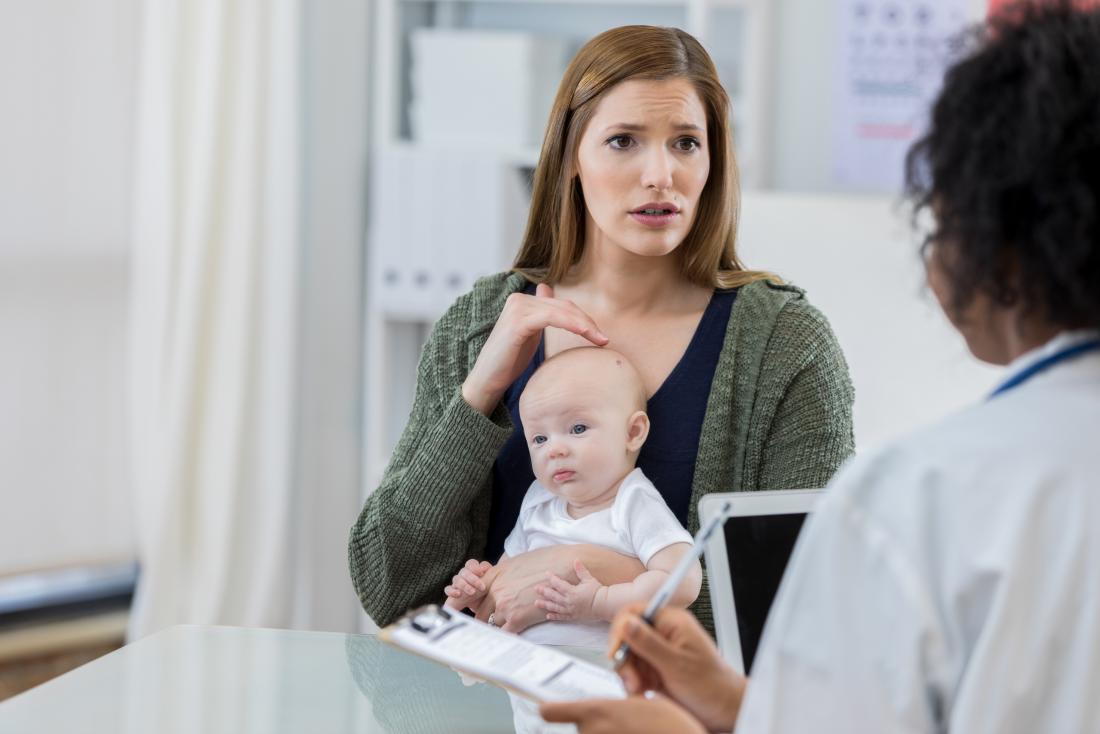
451	161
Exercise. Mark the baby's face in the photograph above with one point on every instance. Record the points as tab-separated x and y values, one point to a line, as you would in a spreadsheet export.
578	431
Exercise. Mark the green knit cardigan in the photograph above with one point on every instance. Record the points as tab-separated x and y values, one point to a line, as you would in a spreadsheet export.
779	416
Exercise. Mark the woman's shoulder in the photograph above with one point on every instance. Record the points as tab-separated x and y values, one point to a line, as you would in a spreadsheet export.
498	285
780	316
477	309
768	294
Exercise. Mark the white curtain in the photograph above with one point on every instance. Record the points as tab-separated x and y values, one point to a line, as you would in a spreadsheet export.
214	302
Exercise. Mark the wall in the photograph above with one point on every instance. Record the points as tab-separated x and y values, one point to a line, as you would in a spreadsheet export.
854	254
858	261
67	71
335	45
804	51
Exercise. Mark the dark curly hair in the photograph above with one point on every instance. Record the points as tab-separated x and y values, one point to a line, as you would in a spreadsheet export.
1010	167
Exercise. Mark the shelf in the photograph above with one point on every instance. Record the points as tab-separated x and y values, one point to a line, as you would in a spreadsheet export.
47	258
56	637
65	587
522	157
424	315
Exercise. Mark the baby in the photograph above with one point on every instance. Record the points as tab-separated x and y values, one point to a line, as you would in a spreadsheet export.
583	414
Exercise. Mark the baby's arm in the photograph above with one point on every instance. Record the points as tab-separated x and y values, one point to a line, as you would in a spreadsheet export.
467	589
589	599
646	585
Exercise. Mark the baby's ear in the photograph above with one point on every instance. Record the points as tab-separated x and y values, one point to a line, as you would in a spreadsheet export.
637	430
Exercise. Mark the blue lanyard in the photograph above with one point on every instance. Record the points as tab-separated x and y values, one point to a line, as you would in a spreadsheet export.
1046	363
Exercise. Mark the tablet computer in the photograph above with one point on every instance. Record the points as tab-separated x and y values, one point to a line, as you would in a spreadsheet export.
746	559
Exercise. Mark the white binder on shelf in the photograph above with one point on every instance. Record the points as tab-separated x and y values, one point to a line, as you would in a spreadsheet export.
402	278
483	210
441	219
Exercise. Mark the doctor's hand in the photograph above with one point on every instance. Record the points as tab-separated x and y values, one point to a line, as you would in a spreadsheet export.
514	339
676	657
634	714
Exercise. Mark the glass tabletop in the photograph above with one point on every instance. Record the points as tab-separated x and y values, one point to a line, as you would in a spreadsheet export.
224	679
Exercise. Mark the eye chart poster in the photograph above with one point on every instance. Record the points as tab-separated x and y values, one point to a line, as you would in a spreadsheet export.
891	55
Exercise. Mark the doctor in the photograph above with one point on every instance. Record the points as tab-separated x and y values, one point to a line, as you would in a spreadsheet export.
951	582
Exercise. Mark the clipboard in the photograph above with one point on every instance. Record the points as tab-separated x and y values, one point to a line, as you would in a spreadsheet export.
534	671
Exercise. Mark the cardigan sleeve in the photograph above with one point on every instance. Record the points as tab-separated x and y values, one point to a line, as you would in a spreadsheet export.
810	433
431	509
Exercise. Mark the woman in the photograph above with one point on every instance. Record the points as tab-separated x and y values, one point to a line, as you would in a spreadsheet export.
629	243
949	583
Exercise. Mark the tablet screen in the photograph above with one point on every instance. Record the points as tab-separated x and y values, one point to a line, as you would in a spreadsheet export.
758	549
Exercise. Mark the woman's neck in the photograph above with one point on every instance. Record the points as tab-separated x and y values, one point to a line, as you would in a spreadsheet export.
614	280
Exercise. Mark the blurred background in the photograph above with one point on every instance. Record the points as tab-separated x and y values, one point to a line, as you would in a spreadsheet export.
227	225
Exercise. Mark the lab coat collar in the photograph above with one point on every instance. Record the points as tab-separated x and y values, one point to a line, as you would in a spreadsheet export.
1065	340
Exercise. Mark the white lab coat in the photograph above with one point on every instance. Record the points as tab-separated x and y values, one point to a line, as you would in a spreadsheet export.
951	582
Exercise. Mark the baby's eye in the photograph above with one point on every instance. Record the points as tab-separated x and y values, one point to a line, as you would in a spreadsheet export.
578	428
620	142
538	439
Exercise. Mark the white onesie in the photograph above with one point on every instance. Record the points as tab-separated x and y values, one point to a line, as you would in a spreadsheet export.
638	523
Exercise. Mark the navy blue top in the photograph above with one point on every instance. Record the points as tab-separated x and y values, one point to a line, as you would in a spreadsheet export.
676	413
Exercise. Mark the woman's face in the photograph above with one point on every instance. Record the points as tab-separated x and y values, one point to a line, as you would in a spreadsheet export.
642	161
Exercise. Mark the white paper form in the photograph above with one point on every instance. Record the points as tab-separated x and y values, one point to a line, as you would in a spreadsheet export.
891	55
535	671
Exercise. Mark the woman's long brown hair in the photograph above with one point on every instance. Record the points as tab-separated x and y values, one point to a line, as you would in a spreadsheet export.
554	239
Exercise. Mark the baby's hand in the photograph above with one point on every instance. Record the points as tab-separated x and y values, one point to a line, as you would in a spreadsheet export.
466	589
563	600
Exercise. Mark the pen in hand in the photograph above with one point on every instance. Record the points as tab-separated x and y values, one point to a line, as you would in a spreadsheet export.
660	599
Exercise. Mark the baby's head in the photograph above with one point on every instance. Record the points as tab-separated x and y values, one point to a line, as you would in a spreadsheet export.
583	414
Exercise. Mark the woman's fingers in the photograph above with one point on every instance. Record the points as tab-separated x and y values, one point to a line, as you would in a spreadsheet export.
514	339
533	314
639	676
486	608
629	612
632	681
519	620
568	712
634	714
562	315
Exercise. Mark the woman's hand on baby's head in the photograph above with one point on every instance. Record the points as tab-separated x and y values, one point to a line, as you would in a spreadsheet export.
564	601
514	339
